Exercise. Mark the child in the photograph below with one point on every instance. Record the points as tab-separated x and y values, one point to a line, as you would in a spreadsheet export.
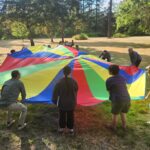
119	96
65	96
105	55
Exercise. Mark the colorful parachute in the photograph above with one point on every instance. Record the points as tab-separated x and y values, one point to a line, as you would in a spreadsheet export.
41	71
60	50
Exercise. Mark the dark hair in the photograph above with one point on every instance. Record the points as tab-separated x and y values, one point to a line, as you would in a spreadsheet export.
67	71
77	47
114	69
130	50
15	73
12	51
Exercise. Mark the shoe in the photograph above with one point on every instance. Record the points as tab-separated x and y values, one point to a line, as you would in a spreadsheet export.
9	124
20	127
60	130
71	132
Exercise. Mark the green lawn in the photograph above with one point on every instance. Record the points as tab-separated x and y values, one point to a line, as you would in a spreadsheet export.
41	133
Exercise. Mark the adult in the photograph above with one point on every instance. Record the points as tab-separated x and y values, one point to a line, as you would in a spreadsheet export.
105	55
135	58
65	96
119	96
9	95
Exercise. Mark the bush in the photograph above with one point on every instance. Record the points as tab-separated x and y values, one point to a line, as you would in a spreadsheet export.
93	34
4	37
120	35
81	36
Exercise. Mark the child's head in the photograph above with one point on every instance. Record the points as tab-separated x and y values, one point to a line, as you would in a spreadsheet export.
113	69
15	74
12	51
130	50
77	47
66	71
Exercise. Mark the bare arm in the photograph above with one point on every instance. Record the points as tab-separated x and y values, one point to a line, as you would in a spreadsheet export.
23	91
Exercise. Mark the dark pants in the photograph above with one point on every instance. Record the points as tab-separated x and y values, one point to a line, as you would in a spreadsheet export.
66	119
108	59
137	63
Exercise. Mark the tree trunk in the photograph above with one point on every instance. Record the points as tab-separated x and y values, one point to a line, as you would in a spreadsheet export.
109	32
62	34
83	7
96	16
52	39
62	38
30	35
32	42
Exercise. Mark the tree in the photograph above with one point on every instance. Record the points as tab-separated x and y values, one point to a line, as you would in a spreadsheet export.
23	11
133	17
57	17
19	30
109	33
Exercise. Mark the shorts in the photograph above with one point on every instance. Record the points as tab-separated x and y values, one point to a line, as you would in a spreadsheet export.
118	108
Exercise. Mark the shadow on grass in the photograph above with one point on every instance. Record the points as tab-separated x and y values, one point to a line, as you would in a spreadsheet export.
41	132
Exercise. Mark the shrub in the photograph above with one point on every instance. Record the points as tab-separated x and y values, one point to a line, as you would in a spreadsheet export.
120	35
4	37
93	34
81	36
19	30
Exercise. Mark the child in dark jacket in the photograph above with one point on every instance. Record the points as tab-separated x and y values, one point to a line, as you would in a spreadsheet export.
119	96
134	57
65	96
105	55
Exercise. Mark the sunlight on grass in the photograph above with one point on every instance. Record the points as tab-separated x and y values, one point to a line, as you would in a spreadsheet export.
41	132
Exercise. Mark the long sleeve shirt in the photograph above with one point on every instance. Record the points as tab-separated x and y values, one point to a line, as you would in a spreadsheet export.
65	94
134	57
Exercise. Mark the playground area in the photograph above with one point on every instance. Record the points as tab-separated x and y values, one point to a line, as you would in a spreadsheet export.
41	132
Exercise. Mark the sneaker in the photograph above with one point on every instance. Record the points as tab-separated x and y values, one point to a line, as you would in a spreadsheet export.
71	131
60	130
20	127
9	124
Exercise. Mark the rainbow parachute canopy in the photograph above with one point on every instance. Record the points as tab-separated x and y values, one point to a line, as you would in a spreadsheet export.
42	69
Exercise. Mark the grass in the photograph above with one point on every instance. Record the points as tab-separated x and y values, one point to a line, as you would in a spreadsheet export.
89	121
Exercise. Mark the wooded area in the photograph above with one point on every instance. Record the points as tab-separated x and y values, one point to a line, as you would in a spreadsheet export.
65	18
